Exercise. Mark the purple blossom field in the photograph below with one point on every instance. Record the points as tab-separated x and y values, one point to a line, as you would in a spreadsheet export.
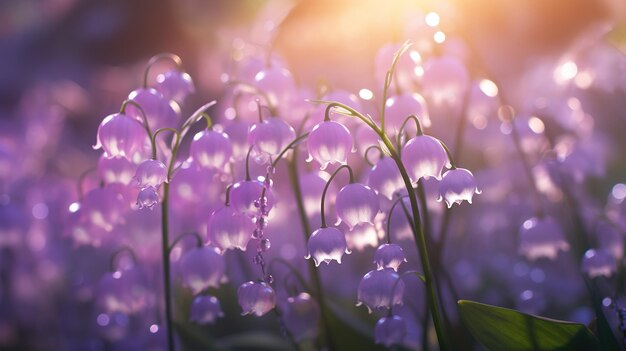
312	175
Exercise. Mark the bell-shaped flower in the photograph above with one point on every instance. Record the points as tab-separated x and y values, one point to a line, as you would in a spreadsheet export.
598	262
385	177
380	289
159	111
541	237
356	203
301	316
271	136
201	268
121	135
228	229
457	185
328	143
424	156
150	173
147	197
327	244
123	291
362	236
390	331
389	256
115	170
175	85
256	298
245	196
211	149
237	131
445	80
205	309
278	85
399	107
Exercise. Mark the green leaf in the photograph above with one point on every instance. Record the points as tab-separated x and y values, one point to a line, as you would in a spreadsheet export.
498	328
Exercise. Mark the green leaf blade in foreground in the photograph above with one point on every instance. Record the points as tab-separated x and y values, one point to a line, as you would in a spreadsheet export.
503	329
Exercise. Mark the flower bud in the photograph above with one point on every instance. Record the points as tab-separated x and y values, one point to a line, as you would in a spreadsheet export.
205	309
328	143
120	135
389	256
327	244
424	156
541	237
390	331
201	268
356	203
256	298
228	229
380	289
150	173
175	85
457	185
211	149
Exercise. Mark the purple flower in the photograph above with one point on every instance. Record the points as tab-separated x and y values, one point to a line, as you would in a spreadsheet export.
327	244
598	262
123	291
541	237
399	107
244	195
356	203
328	143
228	229
150	173
423	157
278	85
390	330
301	316
362	236
175	85
380	289
201	268
457	185
115	170
256	298
385	177
389	256
120	135
445	80
205	309
211	149
159	111
147	197
271	136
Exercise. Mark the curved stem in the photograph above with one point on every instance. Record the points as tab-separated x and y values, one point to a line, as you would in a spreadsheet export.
165	56
326	189
289	147
400	198
400	134
247	162
351	113
194	234
388	79
366	154
146	124
121	250
291	269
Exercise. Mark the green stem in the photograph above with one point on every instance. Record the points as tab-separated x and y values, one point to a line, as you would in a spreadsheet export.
180	237
165	56
317	290
166	267
400	198
420	241
326	189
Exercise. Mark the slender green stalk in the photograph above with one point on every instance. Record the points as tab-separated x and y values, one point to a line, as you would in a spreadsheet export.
167	285
317	289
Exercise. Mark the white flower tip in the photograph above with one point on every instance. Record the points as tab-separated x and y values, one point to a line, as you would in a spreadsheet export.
478	191
309	159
